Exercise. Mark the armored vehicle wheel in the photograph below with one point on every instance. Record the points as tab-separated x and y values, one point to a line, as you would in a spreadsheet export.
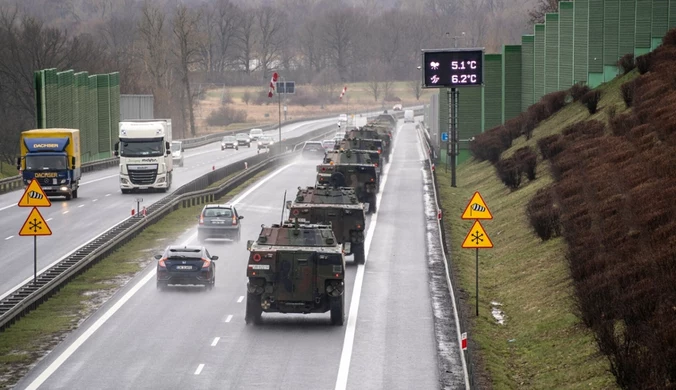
253	309
372	203
337	310
358	252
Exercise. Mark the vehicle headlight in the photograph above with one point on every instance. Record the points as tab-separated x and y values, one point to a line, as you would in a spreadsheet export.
63	180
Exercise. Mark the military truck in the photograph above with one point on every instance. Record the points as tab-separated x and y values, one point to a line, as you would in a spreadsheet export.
338	206
373	147
369	133
348	168
295	268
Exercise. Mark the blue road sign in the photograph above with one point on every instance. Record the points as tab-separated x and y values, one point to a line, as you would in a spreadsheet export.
444	137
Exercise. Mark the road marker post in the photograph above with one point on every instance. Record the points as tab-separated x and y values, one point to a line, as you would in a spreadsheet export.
35	225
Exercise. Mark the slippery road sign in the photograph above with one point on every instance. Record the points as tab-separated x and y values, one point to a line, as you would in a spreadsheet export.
34	196
35	225
477	237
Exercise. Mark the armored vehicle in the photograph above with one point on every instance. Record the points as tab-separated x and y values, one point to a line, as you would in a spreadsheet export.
369	133
338	206
348	168
295	268
371	146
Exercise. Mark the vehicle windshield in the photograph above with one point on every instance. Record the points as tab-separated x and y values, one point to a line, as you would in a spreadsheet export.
256	132
266	139
175	146
218	212
39	163
141	147
242	135
313	146
228	139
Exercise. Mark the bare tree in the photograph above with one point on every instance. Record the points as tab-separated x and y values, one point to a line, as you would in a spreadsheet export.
119	35
340	27
269	22
377	78
543	7
185	27
326	84
152	29
246	40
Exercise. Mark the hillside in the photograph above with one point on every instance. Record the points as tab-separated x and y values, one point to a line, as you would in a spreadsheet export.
583	261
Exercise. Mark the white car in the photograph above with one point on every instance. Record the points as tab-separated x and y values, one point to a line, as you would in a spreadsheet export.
398	107
255	134
408	116
177	152
342	118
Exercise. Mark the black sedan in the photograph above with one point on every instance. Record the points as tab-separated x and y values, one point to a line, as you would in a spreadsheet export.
188	265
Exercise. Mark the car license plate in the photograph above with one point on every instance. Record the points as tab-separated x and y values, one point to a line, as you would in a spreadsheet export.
184	267
218	222
143	188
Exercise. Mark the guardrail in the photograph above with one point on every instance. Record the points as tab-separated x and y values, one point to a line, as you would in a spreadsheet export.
15	182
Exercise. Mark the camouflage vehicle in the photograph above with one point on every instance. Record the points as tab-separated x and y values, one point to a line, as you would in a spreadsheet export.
348	168
295	268
338	206
386	118
371	146
369	133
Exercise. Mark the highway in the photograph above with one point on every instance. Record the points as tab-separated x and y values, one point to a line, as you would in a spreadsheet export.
191	338
99	207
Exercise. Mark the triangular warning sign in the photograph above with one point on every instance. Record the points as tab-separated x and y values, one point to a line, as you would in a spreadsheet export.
35	225
477	209
477	237
34	196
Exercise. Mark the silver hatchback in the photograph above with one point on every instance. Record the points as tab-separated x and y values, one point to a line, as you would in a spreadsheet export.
219	221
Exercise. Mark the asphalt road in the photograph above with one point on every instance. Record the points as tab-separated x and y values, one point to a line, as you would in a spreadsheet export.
190	338
99	207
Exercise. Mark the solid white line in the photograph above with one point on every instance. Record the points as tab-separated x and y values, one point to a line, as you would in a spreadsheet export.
199	369
66	212
94	200
99	179
213	343
90	331
240	299
8	238
348	342
6	207
108	194
229	318
81	205
49	219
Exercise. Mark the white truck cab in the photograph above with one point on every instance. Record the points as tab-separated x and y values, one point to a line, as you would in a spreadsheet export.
408	116
146	160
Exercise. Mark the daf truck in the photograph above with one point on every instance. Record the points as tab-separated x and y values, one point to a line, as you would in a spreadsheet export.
145	155
52	157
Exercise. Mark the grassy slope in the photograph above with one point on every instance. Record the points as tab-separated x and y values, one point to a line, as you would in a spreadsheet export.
542	344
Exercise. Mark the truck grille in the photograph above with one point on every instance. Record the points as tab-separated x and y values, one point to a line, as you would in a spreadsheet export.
142	174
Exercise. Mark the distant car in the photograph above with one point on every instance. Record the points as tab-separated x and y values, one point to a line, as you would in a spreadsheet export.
177	152
265	142
255	134
398	107
408	116
342	119
192	265
312	149
243	139
329	144
228	142
219	221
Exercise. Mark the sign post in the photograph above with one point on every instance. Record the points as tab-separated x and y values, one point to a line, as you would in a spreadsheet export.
35	225
477	237
453	69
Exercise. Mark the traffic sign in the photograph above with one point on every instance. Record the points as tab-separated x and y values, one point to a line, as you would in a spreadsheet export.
477	238
34	196
477	208
444	137
35	225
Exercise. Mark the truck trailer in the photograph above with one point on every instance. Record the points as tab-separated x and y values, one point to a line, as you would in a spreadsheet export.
52	157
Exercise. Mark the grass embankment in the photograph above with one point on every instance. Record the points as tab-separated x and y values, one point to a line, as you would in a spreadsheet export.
542	344
38	332
7	170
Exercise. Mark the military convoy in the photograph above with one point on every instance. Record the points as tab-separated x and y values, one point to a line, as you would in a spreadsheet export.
298	266
295	268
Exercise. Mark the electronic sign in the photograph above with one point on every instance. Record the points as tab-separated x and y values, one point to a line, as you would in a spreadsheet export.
453	68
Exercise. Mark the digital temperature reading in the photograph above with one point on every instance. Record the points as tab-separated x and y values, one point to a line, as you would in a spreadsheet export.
453	68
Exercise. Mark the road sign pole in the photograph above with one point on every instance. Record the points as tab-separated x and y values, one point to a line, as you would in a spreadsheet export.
35	259
477	282
453	109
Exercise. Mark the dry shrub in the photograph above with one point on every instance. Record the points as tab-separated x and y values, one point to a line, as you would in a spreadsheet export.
627	89
486	147
550	146
644	63
554	101
509	171
591	100
515	126
584	130
225	116
626	63
306	97
669	38
528	159
543	214
577	91
622	124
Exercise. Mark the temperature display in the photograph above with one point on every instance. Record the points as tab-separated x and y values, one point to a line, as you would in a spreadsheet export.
453	68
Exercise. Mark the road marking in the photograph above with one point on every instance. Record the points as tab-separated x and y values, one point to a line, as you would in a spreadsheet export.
108	194
66	212
8	238
6	207
199	369
81	205
213	343
49	219
229	318
94	200
348	342
99	179
240	299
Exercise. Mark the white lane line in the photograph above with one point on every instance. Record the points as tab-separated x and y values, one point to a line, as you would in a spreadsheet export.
348	342
8	238
108	194
99	179
213	343
49	219
106	316
66	212
95	326
240	299
6	207
81	205
94	200
229	318
199	369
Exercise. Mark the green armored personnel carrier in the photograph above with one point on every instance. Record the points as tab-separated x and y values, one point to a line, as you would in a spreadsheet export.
369	133
348	168
371	146
295	268
338	206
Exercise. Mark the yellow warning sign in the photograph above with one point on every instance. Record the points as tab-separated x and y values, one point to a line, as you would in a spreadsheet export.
34	196
35	225
477	209
477	237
